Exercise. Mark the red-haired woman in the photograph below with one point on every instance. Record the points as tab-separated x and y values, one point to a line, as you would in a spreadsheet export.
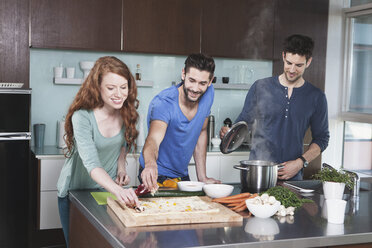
100	129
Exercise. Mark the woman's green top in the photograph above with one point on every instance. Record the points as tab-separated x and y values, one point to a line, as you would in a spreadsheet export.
91	150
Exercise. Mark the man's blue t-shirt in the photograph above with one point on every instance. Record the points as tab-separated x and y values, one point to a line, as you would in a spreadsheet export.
180	139
281	122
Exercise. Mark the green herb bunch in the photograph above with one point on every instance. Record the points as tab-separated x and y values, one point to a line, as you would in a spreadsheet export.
286	197
332	175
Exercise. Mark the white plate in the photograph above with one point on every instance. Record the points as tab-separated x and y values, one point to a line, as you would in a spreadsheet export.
190	186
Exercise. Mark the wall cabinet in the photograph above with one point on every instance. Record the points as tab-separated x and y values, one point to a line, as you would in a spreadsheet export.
83	24
161	26
14	54
307	17
238	28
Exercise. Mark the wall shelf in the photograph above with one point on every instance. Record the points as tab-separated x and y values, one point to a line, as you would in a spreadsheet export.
145	83
232	86
69	81
79	81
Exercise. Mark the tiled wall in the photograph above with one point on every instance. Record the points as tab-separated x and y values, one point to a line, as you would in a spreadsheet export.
50	101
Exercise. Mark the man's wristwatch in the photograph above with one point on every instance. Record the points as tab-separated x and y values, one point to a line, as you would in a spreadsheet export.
306	163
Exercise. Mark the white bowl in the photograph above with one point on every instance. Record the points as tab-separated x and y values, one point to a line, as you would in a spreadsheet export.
262	211
261	226
190	186
86	65
218	190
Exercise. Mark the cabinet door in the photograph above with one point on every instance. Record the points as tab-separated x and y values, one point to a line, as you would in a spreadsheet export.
212	168
161	26
14	51
85	24
49	173
132	169
49	213
227	171
238	28
307	17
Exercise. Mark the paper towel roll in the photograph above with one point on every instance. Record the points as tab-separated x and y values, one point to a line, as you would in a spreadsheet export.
61	132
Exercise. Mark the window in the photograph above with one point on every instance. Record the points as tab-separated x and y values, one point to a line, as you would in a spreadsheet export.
357	146
357	88
357	102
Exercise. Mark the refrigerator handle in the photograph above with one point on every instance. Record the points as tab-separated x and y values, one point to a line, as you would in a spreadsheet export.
15	136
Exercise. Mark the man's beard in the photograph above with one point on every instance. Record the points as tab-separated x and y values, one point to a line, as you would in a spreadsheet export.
292	80
187	95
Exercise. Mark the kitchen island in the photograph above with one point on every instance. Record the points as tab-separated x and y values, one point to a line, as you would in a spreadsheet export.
93	225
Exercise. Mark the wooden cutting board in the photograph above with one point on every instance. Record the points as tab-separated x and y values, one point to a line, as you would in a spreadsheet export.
223	215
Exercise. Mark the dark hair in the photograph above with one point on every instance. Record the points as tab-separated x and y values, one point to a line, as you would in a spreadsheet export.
299	44
201	62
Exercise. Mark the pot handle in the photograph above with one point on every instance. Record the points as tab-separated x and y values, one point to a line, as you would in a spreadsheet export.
280	166
240	167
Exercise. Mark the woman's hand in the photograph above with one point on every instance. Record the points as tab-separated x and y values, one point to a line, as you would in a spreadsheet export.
126	196
122	178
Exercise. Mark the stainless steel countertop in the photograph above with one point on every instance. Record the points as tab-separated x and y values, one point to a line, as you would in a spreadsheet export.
51	152
307	229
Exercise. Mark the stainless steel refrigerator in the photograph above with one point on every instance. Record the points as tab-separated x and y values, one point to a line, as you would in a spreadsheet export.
15	138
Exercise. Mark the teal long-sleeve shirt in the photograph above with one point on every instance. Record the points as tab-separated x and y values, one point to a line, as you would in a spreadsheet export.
92	150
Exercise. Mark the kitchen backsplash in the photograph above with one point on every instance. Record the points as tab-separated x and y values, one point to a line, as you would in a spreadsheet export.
50	101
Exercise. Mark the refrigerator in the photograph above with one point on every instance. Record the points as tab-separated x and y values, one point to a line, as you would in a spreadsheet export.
15	138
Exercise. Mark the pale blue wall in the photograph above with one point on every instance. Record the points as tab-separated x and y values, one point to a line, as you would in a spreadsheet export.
50	101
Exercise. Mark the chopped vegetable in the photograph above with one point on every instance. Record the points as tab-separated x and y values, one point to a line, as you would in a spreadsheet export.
286	197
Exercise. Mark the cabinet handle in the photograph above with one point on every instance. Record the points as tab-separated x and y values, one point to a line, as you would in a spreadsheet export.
192	164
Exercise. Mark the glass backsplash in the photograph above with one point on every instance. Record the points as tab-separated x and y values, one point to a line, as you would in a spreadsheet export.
50	101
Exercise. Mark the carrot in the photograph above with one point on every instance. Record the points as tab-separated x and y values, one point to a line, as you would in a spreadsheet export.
228	201
239	206
238	196
232	204
244	207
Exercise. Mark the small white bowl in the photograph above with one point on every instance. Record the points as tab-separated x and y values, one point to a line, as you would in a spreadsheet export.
218	190
190	186
216	141
262	211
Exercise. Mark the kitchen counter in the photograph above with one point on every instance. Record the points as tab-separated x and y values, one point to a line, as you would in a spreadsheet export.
307	229
47	152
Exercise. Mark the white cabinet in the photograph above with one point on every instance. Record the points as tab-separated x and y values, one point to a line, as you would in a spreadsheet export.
220	166
227	171
212	168
132	168
49	174
49	214
50	168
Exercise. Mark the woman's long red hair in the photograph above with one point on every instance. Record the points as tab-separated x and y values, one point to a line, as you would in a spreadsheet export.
89	97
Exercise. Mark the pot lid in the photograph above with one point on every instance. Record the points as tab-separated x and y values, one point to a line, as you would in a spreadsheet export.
234	137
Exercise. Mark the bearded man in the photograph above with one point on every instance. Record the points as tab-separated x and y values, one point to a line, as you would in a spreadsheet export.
177	119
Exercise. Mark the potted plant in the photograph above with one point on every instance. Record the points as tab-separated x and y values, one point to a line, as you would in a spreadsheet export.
334	182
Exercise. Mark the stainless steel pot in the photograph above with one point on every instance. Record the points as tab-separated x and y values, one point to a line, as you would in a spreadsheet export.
257	175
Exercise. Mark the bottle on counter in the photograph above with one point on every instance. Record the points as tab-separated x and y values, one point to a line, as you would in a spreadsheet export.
210	130
138	72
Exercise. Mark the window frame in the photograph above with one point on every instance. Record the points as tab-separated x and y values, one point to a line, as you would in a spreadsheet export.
348	14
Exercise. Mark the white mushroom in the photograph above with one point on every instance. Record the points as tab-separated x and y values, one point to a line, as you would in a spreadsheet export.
272	200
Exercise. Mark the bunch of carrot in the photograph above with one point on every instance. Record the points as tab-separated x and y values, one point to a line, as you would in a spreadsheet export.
236	202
